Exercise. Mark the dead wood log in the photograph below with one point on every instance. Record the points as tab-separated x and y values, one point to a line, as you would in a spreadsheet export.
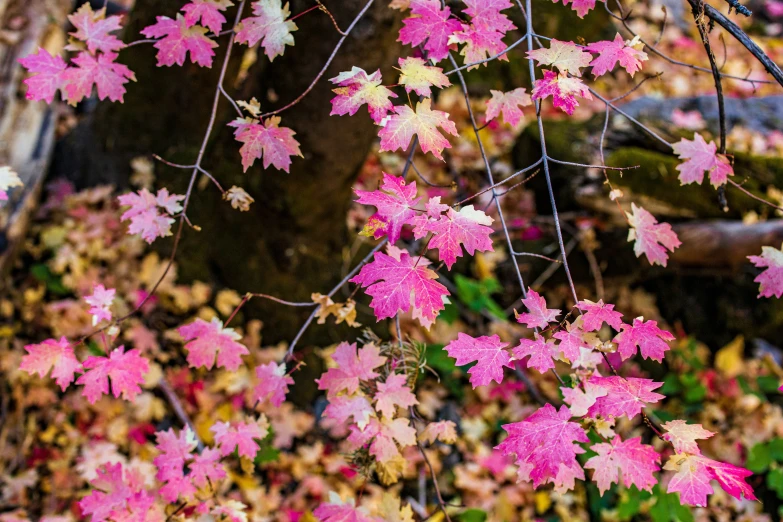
26	128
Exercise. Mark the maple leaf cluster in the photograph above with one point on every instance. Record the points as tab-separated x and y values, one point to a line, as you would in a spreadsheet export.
565	85
94	64
398	281
151	215
369	406
546	444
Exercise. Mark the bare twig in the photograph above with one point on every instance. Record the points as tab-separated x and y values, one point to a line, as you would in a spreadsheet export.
326	65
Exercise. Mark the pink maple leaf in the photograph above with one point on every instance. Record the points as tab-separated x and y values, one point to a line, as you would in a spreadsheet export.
771	279
566	57
56	356
383	437
126	371
357	88
488	352
538	315
683	436
396	281
571	342
562	89
206	468
208	340
488	13
614	51
338	511
634	461
588	359
343	407
690	120
48	75
395	201
417	76
111	493
625	396
144	215
542	352
545	445
594	315
93	28
99	302
176	486
351	367
102	72
444	431
175	451
453	230
651	238
580	401
701	157
276	144
582	7
272	383
393	393
269	26
508	104
241	436
207	12
430	25
481	43
423	123
693	476
177	39
651	340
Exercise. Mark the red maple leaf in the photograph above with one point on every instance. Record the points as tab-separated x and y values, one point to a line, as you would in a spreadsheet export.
177	39
651	238
429	24
545	445
396	281
395	201
488	352
276	144
630	460
651	340
126	371
614	51
625	396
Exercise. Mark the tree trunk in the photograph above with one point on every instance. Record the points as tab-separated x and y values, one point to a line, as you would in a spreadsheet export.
290	242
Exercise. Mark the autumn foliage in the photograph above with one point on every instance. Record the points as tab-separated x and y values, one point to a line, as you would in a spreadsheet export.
601	420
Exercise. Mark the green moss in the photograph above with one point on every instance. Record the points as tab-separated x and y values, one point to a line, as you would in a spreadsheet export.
657	178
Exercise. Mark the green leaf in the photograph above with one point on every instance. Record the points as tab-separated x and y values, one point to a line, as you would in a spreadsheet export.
440	362
667	508
694	389
758	458
476	295
449	314
94	349
768	383
664	416
52	282
775	481
631	502
438	359
266	452
472	515
776	449
671	385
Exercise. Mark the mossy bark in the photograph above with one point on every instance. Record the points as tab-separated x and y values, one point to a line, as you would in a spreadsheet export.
290	242
658	178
